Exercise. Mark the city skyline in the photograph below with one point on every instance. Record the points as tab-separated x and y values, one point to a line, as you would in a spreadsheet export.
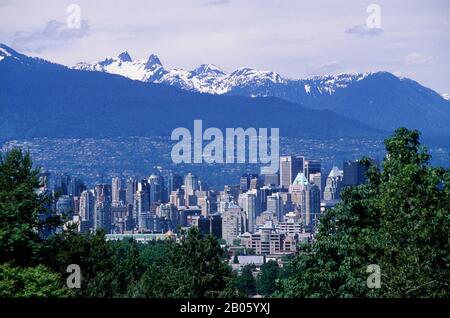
252	201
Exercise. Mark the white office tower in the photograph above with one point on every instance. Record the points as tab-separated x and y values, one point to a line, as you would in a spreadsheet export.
115	191
141	208
87	205
333	185
224	201
307	197
250	202
233	223
275	205
190	183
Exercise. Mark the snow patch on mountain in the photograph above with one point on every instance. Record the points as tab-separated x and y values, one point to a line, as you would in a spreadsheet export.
4	52
328	84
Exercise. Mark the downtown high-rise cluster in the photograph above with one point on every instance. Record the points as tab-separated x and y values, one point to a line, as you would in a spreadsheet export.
261	214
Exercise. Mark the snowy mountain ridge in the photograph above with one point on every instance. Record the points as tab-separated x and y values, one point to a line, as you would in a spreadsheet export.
208	78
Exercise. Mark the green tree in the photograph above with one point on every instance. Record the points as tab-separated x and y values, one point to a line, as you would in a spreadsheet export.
399	220
237	242
24	213
266	282
245	281
198	267
96	257
36	281
129	267
193	268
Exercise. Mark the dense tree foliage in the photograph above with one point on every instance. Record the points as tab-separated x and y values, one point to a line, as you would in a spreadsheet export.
24	218
245	282
36	281
399	221
22	221
193	268
267	278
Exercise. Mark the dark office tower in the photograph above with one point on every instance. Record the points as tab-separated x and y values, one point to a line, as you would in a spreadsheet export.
244	183
130	190
177	182
272	179
354	173
156	186
265	192
202	185
102	212
123	196
172	182
62	184
290	166
211	224
167	177
75	187
311	167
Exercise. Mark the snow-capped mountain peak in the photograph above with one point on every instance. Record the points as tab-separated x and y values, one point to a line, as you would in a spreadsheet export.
124	57
153	61
208	69
149	70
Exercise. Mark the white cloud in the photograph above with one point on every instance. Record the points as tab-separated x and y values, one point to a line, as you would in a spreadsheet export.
416	59
53	34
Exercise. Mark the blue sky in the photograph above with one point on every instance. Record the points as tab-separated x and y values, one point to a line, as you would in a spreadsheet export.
294	38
